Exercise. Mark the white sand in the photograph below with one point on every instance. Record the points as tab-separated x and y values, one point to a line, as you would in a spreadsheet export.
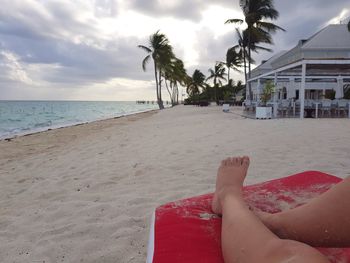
86	193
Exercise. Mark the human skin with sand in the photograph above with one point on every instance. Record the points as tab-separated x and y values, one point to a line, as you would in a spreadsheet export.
287	236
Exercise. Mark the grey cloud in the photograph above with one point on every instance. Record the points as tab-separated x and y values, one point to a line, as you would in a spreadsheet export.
45	33
301	19
30	21
30	35
183	9
210	50
106	8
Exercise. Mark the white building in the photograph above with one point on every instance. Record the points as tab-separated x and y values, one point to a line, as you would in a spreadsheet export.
309	71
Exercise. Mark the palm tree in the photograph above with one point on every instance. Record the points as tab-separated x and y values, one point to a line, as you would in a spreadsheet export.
238	87
258	30
217	75
197	81
242	48
175	74
233	61
161	52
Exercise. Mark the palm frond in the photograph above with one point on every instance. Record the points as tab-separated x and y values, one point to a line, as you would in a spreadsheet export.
270	27
147	49
234	21
262	48
145	62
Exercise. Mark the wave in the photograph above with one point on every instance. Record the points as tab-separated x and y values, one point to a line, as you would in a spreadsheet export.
14	120
43	124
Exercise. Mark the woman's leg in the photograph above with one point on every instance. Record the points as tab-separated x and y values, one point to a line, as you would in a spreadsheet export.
323	222
244	237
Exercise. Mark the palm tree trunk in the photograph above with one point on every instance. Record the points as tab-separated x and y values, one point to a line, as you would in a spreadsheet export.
177	94
215	92
160	102
249	65
156	77
245	74
170	91
228	74
167	87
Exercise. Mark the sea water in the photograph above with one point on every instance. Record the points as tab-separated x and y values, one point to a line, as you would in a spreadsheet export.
24	117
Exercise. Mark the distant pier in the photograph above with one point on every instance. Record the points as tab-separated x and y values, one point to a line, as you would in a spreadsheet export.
145	102
150	102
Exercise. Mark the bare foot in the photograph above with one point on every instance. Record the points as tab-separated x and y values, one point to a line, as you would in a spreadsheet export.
230	178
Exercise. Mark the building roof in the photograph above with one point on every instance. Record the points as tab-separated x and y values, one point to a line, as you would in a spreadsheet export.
266	66
330	43
331	37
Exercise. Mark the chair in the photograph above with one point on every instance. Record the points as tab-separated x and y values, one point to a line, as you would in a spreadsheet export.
226	107
326	106
187	231
284	106
247	105
342	106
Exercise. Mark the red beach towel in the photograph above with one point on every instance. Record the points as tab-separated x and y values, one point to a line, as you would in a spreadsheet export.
187	231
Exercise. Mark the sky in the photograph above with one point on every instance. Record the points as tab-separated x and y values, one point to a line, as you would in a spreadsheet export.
87	49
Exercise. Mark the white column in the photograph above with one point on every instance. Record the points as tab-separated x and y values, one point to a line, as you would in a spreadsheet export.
258	90
291	88
247	92
275	84
339	94
275	106
302	90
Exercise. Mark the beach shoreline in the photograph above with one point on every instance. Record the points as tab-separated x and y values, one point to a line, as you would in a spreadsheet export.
86	193
49	128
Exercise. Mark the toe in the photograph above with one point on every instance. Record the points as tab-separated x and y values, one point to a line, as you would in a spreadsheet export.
236	161
245	161
226	162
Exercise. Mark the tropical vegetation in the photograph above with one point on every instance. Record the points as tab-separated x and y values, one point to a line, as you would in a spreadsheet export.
167	67
217	75
258	30
267	92
169	71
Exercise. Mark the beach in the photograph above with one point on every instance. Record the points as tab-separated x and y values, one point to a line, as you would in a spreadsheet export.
87	193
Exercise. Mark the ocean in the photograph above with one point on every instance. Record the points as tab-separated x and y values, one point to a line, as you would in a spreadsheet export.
25	117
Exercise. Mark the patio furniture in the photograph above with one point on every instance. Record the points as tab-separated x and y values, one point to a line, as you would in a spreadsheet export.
309	109
316	105
284	106
225	107
326	106
342	106
248	105
187	231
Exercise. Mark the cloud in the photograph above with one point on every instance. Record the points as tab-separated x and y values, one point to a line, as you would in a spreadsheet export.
61	48
180	9
13	69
